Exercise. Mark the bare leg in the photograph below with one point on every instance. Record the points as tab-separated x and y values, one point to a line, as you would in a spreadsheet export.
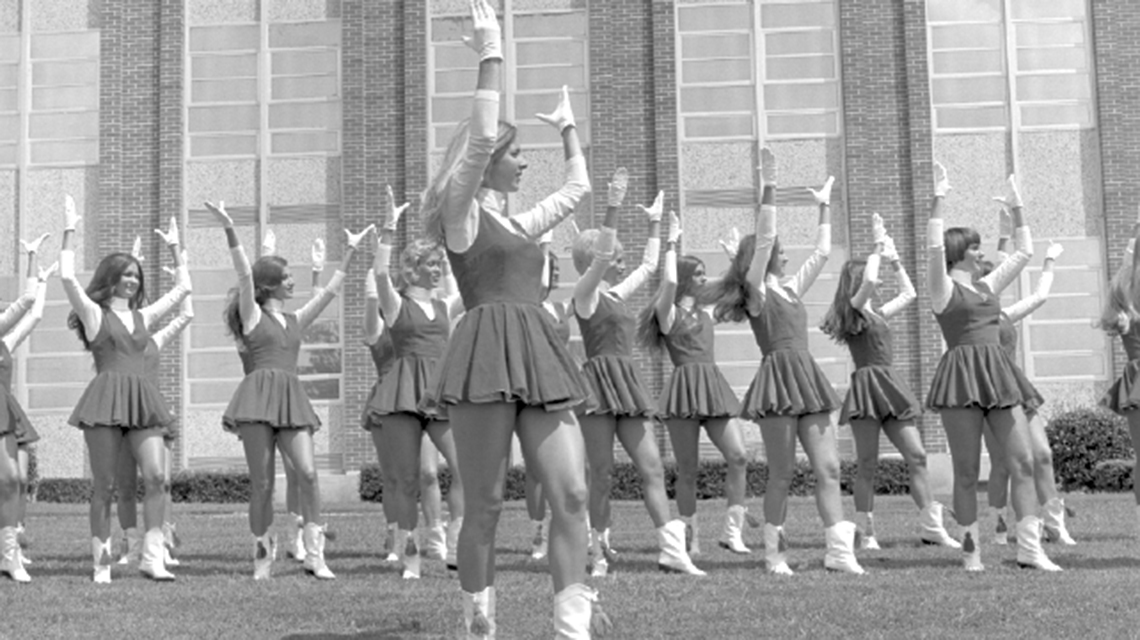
817	437
403	434
383	457
685	435
598	433
292	498
440	433
431	498
297	444
779	434
1043	477
636	435
964	435
127	478
997	488
906	438
866	434
149	450
728	438
535	501
103	445
9	481
1012	434
258	441
24	457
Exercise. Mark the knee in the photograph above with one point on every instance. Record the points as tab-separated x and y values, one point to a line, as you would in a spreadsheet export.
428	479
779	480
9	485
736	460
484	513
916	460
828	472
1043	458
261	486
868	466
153	481
687	474
102	490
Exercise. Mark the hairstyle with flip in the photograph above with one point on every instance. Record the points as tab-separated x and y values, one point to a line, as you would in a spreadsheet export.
733	291
414	255
435	196
957	240
101	289
843	321
583	249
268	273
649	334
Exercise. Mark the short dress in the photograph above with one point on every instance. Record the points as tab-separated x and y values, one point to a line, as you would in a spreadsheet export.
505	348
877	392
975	372
417	343
1007	337
12	417
615	384
789	382
383	356
170	432
123	393
1124	394
271	394
696	389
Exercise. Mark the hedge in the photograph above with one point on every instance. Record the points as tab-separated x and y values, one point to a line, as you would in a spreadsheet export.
1083	438
184	487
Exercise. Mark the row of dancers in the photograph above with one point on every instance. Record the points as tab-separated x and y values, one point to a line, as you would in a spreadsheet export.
505	369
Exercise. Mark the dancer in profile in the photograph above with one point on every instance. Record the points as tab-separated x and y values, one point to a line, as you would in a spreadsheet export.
879	400
270	404
790	397
111	317
16	430
976	383
505	370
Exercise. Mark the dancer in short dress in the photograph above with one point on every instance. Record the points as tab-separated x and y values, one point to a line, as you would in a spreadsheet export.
975	382
1121	317
270	406
1044	479
879	400
505	370
122	401
697	393
16	431
790	397
419	324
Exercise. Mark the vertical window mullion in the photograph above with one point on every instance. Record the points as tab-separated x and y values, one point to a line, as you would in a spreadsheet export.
510	69
1009	46
264	86
758	75
23	157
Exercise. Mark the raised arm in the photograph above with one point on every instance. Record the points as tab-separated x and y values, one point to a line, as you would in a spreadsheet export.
450	286
586	289
373	325
665	308
634	281
247	302
322	297
174	328
1027	305
907	293
182	285
1006	272
389	299
765	227
89	313
809	271
460	213
870	280
938	280
317	255
37	284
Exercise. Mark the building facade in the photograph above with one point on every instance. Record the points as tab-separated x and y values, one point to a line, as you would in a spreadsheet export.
298	113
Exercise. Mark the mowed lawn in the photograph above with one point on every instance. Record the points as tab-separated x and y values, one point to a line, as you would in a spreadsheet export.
910	591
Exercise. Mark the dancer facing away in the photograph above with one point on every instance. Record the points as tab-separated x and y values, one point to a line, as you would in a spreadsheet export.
1044	479
697	393
419	324
16	431
127	475
270	405
878	399
790	397
505	370
1121	317
620	404
976	382
112	320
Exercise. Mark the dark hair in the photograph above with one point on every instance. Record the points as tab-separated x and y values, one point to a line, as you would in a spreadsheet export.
649	333
844	321
957	240
732	292
101	289
268	273
435	196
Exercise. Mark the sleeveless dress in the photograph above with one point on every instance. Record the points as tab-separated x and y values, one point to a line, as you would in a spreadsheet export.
1007	338
383	356
975	371
122	394
271	393
696	389
561	323
615	385
417	344
1124	394
877	392
505	349
789	382
170	432
12	417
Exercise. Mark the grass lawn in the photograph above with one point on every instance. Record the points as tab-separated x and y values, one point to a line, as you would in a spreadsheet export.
909	592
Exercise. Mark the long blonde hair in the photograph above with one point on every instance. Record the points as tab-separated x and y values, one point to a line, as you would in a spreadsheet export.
435	196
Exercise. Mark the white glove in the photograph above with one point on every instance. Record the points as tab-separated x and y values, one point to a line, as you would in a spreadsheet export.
1054	251
823	196
71	217
674	227
655	210
1012	197
616	188
317	253
392	219
563	114
941	181
170	237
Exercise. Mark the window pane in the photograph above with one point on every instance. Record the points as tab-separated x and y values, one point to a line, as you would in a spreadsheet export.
719	126
227	38
803	124
1045	115
452	29
84	44
7	154
972	36
799	42
224	91
203	146
215	66
312	361
63	125
1069	365
304	34
8	75
450	109
10	48
301	62
10	126
322	389
800	14
1045	35
8	100
305	87
306	142
968	90
1053	87
66	98
550	25
714	99
1036	9
964	10
563	52
460	81
716	71
733	45
970	117
47	152
244	118
714	18
1052	58
550	77
308	115
70	72
526	105
967	62
778	97
455	57
801	68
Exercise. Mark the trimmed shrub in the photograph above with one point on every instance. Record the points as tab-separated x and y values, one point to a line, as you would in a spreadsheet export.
1113	475
1082	438
64	490
187	486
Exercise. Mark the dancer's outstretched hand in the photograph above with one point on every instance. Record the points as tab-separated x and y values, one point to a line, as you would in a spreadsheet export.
47	272
34	245
616	188
71	216
563	114
393	213
767	167
1053	251
354	239
878	229
269	243
136	249
1005	223
170	237
941	181
173	271
674	227
823	196
487	35
730	243
655	210
889	252
317	254
219	211
1012	197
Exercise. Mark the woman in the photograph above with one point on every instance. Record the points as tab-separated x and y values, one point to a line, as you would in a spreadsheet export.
1044	480
270	406
878	399
419	324
505	370
122	401
697	393
790	397
975	382
620	404
16	431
